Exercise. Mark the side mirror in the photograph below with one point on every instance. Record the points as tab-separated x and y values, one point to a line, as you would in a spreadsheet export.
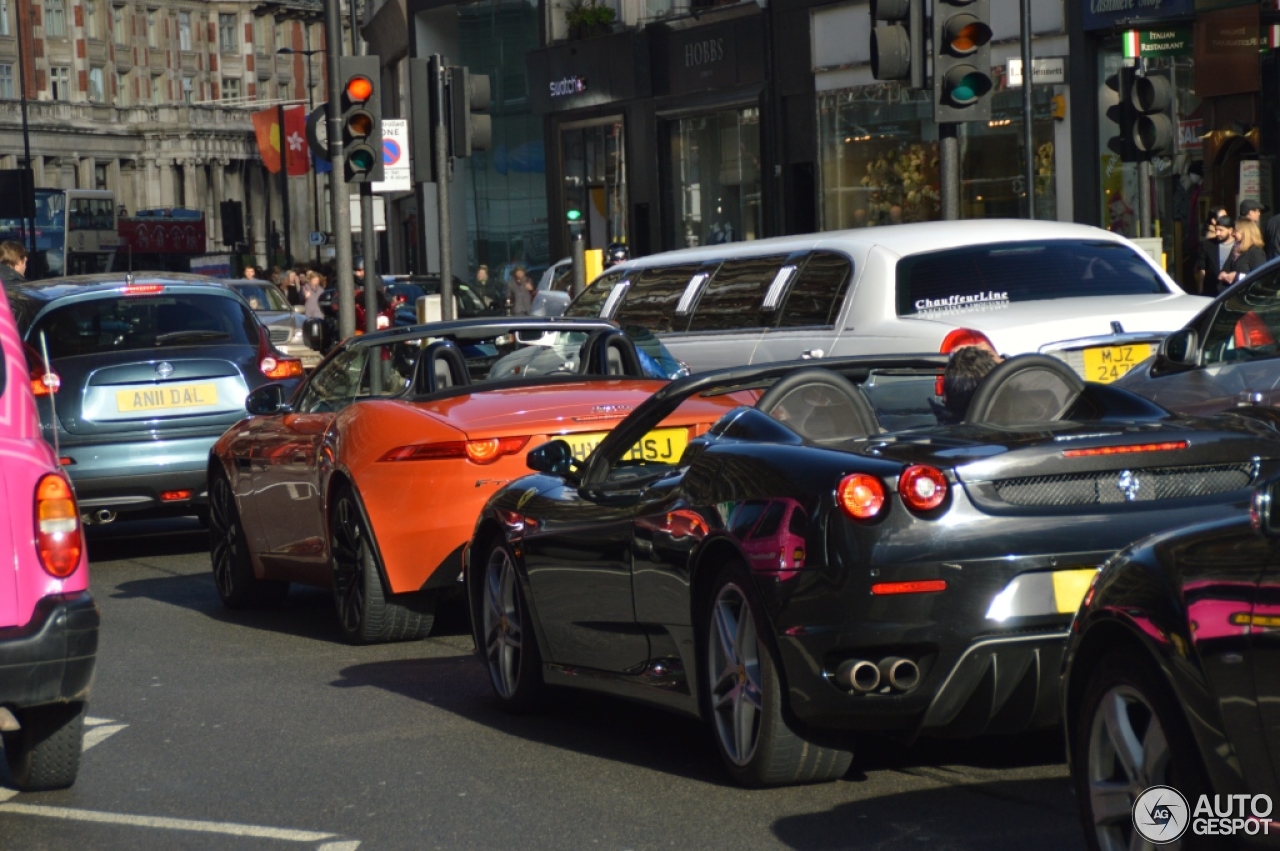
1263	509
313	333
266	400
555	458
1180	348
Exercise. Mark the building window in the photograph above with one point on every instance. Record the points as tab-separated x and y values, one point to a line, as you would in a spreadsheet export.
96	93
262	33
120	90
157	89
4	17
184	30
227	39
188	89
230	88
119	24
55	19
6	81
282	34
715	174
100	176
92	26
60	83
282	90
153	28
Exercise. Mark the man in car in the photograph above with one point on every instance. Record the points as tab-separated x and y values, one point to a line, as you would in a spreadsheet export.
966	368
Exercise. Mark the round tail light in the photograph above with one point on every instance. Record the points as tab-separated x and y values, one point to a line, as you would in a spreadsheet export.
860	496
922	488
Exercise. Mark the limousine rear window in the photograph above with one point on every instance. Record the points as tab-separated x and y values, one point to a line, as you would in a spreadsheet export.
650	301
732	299
991	277
588	304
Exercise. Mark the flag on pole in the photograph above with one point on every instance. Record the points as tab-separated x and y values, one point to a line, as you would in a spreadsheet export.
267	128
293	152
297	156
1132	44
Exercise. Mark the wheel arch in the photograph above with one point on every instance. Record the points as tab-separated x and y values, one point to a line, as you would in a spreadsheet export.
488	533
1101	639
338	479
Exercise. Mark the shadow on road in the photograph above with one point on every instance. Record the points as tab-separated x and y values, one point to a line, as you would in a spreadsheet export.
124	540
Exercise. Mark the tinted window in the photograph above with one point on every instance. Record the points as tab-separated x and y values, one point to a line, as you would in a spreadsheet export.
588	304
129	323
732	298
651	301
562	279
989	277
1247	325
771	521
744	517
335	384
815	296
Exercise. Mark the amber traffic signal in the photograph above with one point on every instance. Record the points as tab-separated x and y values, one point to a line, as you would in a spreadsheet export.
961	60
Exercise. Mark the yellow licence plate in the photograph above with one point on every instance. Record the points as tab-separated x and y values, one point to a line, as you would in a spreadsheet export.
661	444
164	398
1105	365
1070	586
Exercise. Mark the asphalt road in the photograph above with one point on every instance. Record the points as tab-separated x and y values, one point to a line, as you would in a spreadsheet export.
264	730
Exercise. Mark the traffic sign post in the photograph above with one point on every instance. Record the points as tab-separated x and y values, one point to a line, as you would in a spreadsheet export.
395	157
319	238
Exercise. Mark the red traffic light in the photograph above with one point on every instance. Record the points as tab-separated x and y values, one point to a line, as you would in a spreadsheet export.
359	89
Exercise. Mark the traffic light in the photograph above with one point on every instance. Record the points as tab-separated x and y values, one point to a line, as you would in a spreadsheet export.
897	46
1120	112
1152	99
470	127
361	117
961	60
421	108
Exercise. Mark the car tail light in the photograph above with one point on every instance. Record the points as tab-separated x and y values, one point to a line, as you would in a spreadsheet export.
175	496
919	586
860	496
43	382
57	526
143	289
922	488
1167	446
476	451
958	339
274	365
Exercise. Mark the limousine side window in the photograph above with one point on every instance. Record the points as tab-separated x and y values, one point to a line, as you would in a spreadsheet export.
651	300
817	292
588	304
731	299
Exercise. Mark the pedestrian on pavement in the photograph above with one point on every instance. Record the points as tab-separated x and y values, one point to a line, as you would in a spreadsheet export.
250	272
1246	256
1208	261
311	291
1252	211
520	292
291	286
13	262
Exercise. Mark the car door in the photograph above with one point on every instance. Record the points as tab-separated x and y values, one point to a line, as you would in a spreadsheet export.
802	309
286	457
1239	356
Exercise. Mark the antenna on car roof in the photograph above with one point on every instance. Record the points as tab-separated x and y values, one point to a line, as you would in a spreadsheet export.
53	392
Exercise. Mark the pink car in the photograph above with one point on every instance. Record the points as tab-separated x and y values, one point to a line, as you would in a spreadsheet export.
48	621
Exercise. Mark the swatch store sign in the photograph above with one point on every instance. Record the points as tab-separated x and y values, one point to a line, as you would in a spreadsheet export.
567	86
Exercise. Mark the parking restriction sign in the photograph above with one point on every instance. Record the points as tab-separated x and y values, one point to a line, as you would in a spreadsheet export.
395	156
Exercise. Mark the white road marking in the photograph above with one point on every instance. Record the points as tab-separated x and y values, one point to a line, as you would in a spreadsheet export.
95	722
339	846
98	735
6	794
222	827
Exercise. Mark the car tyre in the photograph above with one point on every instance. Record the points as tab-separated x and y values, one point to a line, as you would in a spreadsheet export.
229	552
506	639
45	753
1131	735
367	614
742	695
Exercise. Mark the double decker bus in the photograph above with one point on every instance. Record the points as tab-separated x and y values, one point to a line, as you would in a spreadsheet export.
75	232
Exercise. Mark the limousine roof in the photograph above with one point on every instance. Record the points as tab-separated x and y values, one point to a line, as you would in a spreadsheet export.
901	240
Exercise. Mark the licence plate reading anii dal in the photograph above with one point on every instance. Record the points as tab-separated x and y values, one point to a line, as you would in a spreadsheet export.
163	398
662	444
1108	363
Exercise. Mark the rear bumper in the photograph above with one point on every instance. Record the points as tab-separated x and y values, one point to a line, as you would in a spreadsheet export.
129	477
51	659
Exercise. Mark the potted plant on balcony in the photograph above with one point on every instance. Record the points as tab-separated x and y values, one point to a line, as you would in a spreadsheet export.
587	18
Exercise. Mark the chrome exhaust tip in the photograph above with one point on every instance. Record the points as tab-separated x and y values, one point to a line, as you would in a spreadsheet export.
859	675
104	516
902	674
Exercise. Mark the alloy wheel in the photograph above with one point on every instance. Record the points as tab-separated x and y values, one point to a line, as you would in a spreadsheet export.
350	555
733	650
224	523
503	631
1128	753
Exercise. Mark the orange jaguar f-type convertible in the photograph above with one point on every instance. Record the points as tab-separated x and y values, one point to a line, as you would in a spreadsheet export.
369	479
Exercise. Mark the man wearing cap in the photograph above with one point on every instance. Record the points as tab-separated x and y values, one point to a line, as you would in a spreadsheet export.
1251	210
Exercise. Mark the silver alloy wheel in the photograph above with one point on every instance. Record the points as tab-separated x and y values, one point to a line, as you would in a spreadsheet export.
503	631
733	665
224	522
1128	753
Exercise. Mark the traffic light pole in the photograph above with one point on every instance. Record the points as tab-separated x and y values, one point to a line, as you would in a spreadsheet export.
1028	139
440	129
340	206
1144	199
949	163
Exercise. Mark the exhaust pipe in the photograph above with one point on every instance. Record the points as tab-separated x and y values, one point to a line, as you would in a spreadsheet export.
902	674
104	516
859	675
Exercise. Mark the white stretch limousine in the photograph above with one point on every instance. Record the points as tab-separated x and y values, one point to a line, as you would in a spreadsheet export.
1084	295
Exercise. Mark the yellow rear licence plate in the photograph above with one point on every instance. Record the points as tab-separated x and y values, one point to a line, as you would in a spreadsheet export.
165	398
1070	586
1105	365
661	444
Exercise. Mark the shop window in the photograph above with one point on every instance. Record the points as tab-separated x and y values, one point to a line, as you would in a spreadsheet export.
733	296
715	178
651	300
816	294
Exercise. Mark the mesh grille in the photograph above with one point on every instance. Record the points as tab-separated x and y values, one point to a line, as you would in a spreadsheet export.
1133	485
280	335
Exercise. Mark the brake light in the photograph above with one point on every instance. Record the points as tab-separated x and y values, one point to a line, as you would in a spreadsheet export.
143	289
1167	446
175	496
382	322
277	368
57	526
860	496
961	337
476	451
44	383
922	488
920	586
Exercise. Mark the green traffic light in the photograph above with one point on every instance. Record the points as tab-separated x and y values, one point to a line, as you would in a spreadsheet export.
361	159
573	215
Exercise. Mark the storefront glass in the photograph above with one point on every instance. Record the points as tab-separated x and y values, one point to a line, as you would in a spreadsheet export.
714	179
595	179
879	148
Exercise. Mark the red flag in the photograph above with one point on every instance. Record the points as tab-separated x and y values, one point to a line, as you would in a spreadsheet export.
266	126
295	141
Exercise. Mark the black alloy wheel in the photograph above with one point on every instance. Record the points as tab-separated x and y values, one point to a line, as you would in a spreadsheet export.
742	695
229	553
506	641
367	614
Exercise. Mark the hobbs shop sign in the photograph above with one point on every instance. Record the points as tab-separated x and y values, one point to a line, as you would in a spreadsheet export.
703	52
566	86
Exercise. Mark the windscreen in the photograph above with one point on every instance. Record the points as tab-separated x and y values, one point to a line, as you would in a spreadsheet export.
991	277
130	323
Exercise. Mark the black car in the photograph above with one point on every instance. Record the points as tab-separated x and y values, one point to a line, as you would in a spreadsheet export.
153	368
1173	679
832	559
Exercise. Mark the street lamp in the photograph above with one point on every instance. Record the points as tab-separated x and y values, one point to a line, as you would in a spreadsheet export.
315	186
